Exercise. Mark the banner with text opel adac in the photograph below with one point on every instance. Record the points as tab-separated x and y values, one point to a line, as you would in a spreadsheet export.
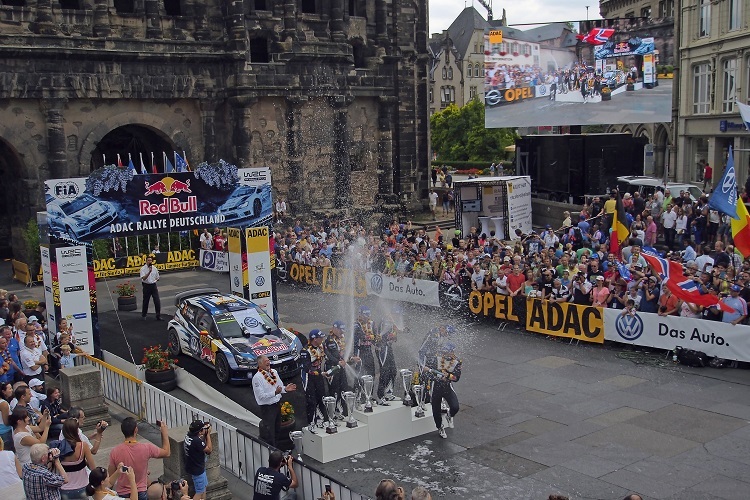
329	279
84	209
403	289
131	265
722	340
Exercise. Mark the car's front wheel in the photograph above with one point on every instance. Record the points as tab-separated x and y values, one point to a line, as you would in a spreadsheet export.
222	368
174	343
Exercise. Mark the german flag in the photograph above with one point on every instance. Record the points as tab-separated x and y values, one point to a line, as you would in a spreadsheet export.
741	229
620	231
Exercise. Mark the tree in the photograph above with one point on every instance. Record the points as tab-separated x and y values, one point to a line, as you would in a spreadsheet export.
458	134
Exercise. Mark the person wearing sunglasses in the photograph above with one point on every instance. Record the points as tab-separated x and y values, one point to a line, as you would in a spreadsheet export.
100	483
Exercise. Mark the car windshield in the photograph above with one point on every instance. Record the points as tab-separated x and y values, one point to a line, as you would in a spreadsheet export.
695	192
77	204
244	322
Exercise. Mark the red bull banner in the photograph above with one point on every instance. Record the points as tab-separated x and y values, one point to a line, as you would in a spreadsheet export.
124	203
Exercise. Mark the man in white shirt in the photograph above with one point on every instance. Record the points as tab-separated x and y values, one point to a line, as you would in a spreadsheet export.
207	241
669	220
149	277
32	359
433	197
268	389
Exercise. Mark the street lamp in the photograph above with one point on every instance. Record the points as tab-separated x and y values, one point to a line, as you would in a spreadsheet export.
587	12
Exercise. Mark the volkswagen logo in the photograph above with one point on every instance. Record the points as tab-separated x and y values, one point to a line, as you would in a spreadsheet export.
260	281
376	283
629	327
542	89
729	182
236	282
275	357
250	322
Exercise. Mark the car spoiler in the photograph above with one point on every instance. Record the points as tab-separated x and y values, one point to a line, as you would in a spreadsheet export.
193	293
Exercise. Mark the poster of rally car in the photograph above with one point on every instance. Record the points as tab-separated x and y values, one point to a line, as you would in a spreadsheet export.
602	72
114	201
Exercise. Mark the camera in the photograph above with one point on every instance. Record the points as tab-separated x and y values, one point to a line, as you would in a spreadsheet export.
124	469
176	486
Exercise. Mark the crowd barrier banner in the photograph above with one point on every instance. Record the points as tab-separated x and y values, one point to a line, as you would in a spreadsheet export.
131	265
565	319
715	338
344	281
215	261
492	305
403	290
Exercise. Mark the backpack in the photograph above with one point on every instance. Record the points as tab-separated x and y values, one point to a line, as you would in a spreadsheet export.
690	357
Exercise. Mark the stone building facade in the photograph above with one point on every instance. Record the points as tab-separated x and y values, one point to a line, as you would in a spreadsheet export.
330	94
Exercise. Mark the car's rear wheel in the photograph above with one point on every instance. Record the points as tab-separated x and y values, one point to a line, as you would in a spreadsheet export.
222	368
174	343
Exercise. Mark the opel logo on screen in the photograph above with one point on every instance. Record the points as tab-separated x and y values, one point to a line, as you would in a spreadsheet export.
629	327
376	283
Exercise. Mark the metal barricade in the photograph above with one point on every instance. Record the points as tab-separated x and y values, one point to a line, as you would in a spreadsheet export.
240	453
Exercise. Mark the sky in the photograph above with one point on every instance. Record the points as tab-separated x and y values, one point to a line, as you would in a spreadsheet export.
443	12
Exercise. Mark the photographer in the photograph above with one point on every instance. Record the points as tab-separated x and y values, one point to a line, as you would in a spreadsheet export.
269	481
176	490
43	477
100	483
197	445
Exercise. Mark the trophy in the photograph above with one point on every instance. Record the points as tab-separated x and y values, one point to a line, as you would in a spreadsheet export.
297	438
349	398
406	379
419	395
330	403
368	384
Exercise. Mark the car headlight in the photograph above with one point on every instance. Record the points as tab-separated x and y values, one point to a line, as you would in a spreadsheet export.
242	361
243	204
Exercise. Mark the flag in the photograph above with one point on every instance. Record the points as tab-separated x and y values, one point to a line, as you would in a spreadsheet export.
681	286
130	163
143	167
624	272
168	168
620	231
154	168
597	36
724	197
119	161
741	230
187	164
180	163
745	114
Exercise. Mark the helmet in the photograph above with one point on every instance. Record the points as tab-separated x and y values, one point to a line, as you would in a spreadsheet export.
339	324
364	311
448	347
315	334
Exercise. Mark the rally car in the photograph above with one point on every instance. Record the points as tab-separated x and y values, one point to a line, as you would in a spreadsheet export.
228	333
245	203
80	217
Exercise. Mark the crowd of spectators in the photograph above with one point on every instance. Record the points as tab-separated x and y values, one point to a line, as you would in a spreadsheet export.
507	76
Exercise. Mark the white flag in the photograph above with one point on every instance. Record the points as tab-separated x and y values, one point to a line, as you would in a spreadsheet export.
745	114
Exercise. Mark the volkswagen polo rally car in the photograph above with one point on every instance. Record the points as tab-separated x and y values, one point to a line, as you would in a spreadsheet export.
228	333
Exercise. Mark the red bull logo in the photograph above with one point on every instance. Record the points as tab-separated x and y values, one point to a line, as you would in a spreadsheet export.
167	187
262	343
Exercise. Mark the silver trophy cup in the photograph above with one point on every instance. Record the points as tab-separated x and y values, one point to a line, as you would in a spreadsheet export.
349	398
406	379
368	384
419	395
297	439
330	403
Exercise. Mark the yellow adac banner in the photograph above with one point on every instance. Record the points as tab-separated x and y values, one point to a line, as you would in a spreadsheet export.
344	282
563	319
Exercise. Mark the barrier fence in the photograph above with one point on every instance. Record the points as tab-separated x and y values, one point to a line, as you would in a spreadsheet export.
240	453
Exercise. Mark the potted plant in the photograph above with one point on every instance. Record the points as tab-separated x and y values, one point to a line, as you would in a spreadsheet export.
606	94
126	297
287	415
159	368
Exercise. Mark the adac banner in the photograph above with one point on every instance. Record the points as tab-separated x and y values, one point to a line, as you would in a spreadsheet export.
215	261
404	289
339	281
84	209
131	265
722	340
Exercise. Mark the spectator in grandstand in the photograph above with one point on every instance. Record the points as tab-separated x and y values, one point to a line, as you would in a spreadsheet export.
39	482
388	490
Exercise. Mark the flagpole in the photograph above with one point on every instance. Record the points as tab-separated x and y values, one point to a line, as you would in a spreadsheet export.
175	160
104	159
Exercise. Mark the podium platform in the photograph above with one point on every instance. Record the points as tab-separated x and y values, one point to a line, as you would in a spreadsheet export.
328	447
383	426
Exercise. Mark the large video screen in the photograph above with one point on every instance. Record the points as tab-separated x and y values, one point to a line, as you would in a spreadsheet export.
588	73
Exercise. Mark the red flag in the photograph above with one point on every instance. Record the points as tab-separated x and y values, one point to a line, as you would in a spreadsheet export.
154	169
597	36
119	161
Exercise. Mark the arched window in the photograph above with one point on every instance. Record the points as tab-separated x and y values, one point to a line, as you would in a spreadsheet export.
450	73
445	73
476	70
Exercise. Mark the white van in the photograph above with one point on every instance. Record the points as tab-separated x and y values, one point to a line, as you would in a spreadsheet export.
647	185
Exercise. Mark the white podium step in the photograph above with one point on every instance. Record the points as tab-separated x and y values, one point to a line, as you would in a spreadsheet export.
328	447
387	424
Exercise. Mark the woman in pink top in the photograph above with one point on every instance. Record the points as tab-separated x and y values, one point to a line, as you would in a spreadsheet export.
650	231
75	464
599	293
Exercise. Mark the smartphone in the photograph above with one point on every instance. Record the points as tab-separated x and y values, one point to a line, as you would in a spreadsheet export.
158	423
328	488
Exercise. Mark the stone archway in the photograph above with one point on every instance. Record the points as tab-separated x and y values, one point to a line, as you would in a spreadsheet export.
15	204
132	140
661	148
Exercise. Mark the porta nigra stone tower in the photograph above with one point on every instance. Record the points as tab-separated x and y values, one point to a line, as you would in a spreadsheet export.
330	94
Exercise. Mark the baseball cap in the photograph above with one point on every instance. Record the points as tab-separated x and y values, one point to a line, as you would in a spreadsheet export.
315	334
364	310
506	259
339	324
35	382
548	226
735	288
600	278
195	426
